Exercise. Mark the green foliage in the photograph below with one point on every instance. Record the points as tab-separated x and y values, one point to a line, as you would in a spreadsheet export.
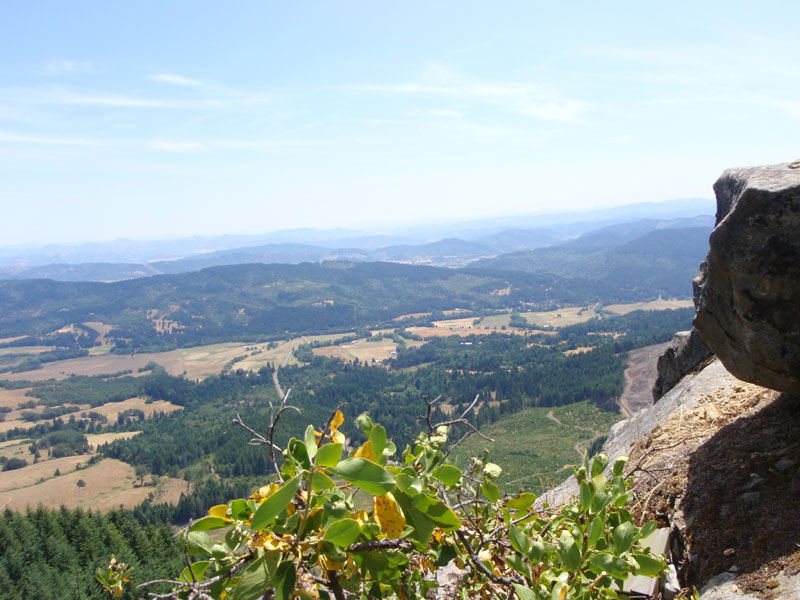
298	539
54	554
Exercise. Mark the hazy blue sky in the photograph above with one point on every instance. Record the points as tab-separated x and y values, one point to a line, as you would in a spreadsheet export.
169	118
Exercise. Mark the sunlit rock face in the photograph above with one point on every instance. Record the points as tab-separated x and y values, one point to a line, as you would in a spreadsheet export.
747	292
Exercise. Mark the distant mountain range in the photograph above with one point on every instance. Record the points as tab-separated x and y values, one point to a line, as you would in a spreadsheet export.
479	240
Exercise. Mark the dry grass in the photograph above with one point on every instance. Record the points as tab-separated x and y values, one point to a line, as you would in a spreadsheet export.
11	339
411	316
579	350
24	350
13	398
363	350
30	475
111	410
16	449
195	363
660	304
561	317
98	439
109	484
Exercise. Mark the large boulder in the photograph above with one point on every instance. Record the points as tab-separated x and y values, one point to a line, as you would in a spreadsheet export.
747	292
685	354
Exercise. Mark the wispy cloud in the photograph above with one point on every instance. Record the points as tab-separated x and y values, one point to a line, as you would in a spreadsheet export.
176	80
178	147
26	138
61	66
529	99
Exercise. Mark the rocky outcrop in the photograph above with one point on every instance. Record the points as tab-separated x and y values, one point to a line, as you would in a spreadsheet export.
747	292
694	389
685	354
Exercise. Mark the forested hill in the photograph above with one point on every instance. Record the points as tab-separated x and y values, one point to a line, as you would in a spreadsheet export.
662	261
244	301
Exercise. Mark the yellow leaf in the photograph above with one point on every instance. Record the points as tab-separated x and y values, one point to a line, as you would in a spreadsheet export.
361	516
337	421
339	438
388	515
220	511
268	540
365	452
264	492
329	565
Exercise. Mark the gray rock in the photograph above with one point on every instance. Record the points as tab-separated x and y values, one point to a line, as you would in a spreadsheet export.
685	354
748	288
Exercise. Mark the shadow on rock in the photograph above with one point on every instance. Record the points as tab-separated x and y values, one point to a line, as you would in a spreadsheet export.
741	503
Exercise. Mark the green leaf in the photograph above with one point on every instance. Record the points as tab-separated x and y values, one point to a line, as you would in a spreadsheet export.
343	532
299	452
206	523
524	592
537	551
284	581
519	541
648	529
240	510
272	506
587	494
311	442
198	569
518	564
599	464
613	565
198	542
438	512
522	502
600	500
377	438
649	566
619	464
595	531
257	577
365	422
447	474
365	474
623	537
328	455
320	481
491	491
569	551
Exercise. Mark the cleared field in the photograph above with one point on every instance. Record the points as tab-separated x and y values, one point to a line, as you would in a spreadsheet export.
363	350
17	449
195	363
561	317
494	321
411	316
108	484
111	410
30	475
13	398
624	309
24	350
11	339
455	324
98	439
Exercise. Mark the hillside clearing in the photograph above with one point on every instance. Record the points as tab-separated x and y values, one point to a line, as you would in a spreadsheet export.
109	484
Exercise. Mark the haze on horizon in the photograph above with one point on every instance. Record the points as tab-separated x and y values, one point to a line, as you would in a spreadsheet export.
159	121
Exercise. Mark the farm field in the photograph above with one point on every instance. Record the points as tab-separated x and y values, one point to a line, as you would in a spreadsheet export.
13	398
624	309
98	439
111	410
108	484
364	350
536	446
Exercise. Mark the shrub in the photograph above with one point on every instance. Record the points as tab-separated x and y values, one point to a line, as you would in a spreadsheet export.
378	525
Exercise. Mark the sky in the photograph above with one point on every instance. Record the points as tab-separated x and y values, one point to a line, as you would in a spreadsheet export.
152	120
